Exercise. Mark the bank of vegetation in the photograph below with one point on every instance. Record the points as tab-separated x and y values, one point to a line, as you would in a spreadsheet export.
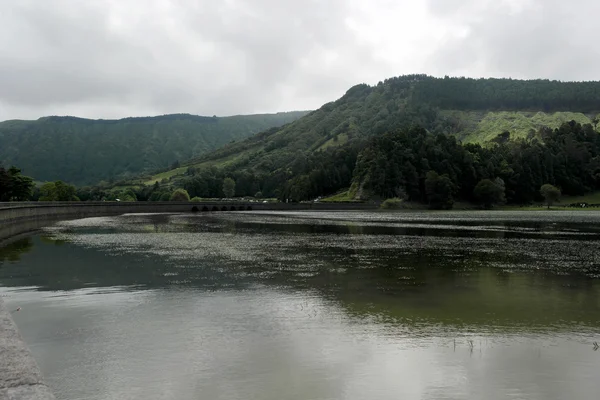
406	138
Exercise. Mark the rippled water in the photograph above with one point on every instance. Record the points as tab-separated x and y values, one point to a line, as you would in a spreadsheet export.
308	305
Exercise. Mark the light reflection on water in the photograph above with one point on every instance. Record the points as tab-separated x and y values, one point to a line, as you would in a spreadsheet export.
313	305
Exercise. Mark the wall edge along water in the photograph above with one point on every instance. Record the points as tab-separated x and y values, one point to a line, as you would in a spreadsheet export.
20	377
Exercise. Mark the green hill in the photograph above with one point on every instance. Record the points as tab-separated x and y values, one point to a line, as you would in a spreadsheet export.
471	110
84	151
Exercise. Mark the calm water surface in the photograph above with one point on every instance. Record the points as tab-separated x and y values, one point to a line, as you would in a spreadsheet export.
342	305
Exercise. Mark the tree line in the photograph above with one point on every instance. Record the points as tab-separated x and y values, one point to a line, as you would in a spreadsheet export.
503	94
436	169
410	164
419	166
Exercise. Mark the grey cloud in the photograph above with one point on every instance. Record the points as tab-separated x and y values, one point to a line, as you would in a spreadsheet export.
56	57
180	56
532	39
115	58
450	7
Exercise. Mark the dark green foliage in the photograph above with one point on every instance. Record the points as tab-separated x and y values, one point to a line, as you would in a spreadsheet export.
166	196
180	195
58	191
550	193
228	187
440	190
328	171
488	192
84	151
502	138
507	94
396	164
93	193
392	204
313	175
206	183
14	186
155	192
121	195
400	162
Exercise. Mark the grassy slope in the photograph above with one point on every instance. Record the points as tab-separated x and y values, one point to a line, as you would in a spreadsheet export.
314	131
337	141
181	170
481	127
342	197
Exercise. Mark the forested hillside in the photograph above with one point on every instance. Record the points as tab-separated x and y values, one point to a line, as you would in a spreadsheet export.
84	151
328	149
436	169
507	94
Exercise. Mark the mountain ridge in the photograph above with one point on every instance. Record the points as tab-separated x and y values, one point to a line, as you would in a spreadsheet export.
146	117
317	154
86	151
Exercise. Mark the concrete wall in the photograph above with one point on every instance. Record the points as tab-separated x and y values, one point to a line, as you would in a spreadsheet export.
20	377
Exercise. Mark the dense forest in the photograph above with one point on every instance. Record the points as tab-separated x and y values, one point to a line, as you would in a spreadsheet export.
406	164
504	94
83	151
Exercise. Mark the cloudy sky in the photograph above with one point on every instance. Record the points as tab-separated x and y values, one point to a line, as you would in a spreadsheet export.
117	58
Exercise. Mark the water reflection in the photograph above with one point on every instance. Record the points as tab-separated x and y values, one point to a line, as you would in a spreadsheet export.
12	251
312	305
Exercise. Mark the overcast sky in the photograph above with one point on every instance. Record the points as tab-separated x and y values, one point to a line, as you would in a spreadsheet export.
117	58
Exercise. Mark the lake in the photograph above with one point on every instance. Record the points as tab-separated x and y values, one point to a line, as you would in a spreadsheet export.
312	305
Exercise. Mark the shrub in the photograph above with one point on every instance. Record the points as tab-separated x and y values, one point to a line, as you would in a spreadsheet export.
180	195
550	193
165	197
488	192
392	204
